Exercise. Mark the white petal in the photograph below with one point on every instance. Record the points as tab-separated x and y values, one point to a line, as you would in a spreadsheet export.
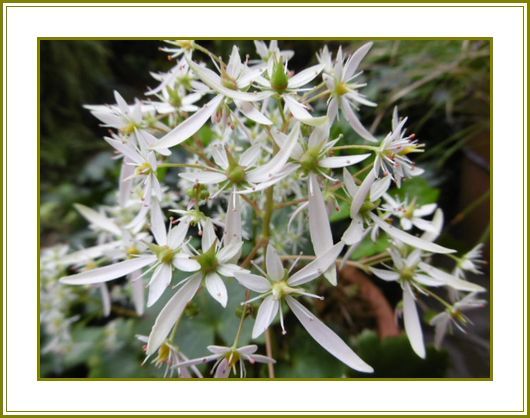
266	313
408	239
387	275
423	224
88	254
305	76
349	182
137	290
274	264
158	226
450	280
190	126
411	320
177	234
427	280
185	263
319	227
354	121
122	104
342	161
353	62
379	187
107	273
228	270
220	157
97	219
208	235
250	155
105	298
223	369
437	223
126	150
159	282
170	313
327	338
204	177
228	252
250	111
253	282
216	288
425	210
275	164
354	233
300	113
362	192
233	229
316	267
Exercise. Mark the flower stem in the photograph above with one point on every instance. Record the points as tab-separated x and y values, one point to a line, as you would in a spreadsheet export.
355	146
183	165
268	349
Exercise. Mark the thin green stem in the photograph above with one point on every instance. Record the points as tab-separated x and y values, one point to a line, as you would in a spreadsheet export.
183	165
356	146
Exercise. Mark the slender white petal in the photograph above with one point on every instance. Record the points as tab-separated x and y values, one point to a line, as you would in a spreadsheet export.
171	313
437	223
87	254
204	177
228	252
223	369
190	126
233	229
411	320
353	62
425	210
185	263
250	155
305	76
323	335
387	275
266	313
125	149
379	187
316	267
450	280
409	239
158	226
105	298
159	282
274	264
361	193
220	157
208	235
107	273
253	282
177	234
228	270
342	161
250	111
319	227
354	233
137	290
216	288
97	219
354	121
300	113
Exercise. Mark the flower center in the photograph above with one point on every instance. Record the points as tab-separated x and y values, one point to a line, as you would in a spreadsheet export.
407	274
236	174
281	289
174	97
341	89
144	169
208	261
132	251
279	79
165	254
309	160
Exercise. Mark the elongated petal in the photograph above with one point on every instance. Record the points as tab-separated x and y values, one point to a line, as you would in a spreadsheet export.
437	223
450	280
223	369
216	288
353	62
204	177
220	157
274	264
208	235
354	121
250	111
97	219
276	163
105	298
137	291
409	239
411	320
87	254
354	233
316	267
425	210
177	234
228	252
387	275
300	113
185	263
319	227
349	182
250	155
233	229
323	335
107	273
158	226
213	81
171	313
342	161
305	76
379	187
266	314
159	282
253	282
361	193
125	149
190	126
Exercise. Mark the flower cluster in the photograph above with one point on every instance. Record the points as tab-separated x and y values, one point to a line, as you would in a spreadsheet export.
270	164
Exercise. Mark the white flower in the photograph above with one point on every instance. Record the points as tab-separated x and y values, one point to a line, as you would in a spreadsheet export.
170	356
178	47
470	262
454	315
410	214
279	286
214	262
272	51
241	174
344	94
228	359
413	273
392	156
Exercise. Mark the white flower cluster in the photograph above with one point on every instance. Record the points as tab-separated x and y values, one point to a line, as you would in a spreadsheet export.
273	161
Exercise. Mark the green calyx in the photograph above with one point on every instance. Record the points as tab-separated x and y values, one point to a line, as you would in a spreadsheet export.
228	81
174	97
163	253
144	169
199	192
281	289
407	274
279	78
309	160
235	173
208	260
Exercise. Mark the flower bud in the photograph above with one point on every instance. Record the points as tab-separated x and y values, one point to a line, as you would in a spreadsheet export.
279	79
